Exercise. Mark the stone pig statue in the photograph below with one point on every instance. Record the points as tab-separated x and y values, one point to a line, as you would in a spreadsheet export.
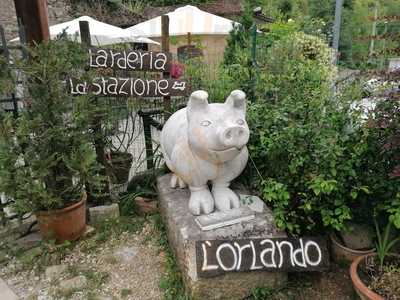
207	142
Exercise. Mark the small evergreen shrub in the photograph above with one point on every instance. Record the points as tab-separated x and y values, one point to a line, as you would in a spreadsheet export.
46	154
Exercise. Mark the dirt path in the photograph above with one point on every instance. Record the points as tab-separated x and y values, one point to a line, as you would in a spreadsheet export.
119	265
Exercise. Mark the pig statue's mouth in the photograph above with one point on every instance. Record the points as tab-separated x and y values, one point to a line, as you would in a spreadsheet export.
225	155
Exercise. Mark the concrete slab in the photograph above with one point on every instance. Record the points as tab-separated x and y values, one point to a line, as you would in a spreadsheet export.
5	292
183	232
220	219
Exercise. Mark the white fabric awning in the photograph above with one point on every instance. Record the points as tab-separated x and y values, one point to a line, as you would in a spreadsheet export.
101	33
183	20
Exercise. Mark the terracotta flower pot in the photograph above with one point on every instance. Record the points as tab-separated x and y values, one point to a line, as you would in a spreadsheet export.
341	253
362	290
66	224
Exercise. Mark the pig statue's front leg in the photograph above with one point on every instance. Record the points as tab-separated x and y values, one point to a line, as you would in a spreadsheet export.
224	197
201	200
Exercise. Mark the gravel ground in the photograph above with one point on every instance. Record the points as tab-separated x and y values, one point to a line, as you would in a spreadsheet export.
116	263
125	266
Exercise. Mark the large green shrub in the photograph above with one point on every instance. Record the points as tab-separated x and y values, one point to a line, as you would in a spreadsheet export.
46	155
381	160
302	144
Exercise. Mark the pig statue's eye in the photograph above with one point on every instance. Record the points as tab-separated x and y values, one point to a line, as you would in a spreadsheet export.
240	122
205	123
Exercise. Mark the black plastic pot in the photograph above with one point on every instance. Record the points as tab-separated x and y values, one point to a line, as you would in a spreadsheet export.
119	164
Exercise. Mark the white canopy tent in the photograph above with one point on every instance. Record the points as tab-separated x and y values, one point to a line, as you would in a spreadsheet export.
101	33
183	20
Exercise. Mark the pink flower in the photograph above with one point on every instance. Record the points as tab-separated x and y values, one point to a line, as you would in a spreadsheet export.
176	70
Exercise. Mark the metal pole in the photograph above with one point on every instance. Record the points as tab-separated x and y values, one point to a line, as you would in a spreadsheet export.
384	54
373	34
148	141
336	28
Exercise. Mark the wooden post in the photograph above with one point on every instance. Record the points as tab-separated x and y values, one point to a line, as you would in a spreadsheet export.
166	75
98	138
85	33
33	16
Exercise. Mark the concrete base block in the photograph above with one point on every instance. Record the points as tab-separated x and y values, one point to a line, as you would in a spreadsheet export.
183	232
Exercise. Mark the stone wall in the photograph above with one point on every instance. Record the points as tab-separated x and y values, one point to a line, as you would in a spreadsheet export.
8	18
58	13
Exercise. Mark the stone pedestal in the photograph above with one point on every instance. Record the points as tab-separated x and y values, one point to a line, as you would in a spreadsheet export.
183	232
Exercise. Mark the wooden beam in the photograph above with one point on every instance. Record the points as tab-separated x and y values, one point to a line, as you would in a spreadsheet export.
99	144
33	16
166	75
85	33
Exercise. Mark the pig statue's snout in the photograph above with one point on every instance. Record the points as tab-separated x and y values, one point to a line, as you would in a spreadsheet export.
235	136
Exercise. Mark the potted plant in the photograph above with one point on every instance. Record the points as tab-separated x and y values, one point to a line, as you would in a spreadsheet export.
351	243
119	166
46	157
376	276
356	238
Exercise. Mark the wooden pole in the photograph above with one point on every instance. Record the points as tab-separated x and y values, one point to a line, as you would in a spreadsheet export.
166	75
34	18
98	137
85	33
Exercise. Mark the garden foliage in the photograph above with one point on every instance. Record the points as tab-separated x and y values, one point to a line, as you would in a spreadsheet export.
313	158
46	155
317	17
301	142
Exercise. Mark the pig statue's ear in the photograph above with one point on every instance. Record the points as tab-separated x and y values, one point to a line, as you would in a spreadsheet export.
198	101
237	99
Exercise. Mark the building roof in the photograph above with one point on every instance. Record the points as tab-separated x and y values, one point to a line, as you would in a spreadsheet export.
183	20
100	33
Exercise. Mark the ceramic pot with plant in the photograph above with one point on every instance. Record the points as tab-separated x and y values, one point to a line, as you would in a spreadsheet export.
355	241
46	157
376	276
